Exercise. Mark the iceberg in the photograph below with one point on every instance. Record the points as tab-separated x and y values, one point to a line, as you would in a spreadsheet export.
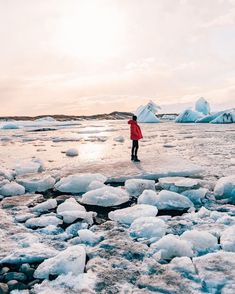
189	116
202	106
227	117
146	113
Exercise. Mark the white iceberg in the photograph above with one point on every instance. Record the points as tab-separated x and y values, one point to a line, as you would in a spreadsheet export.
106	196
45	206
146	113
78	183
178	184
172	201
149	228
12	189
202	106
71	260
189	116
227	239
225	188
171	246
136	186
200	240
37	183
129	214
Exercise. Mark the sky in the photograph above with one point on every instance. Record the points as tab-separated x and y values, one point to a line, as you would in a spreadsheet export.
84	57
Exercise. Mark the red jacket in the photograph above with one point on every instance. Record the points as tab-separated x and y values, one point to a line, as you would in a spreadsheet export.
136	133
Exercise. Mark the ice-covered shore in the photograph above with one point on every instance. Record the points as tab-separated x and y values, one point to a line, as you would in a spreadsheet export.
102	224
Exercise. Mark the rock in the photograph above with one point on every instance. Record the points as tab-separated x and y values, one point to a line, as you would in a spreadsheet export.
106	196
72	152
136	186
15	276
71	260
37	183
4	288
129	214
4	270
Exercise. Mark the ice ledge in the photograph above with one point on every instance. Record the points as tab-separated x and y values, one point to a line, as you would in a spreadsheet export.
149	168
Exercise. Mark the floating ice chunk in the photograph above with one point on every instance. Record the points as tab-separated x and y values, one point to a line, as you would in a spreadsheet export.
171	246
225	188
216	270
136	186
10	126
172	201
188	116
72	152
43	221
71	260
78	183
45	206
25	168
88	237
228	239
226	117
201	241
12	189
150	228
70	205
70	216
129	214
5	173
120	139
95	185
182	264
196	196
178	184
74	228
37	183
51	230
106	196
209	118
35	253
148	197
70	283
202	106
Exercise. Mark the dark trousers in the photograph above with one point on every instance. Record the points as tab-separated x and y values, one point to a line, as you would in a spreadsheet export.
135	147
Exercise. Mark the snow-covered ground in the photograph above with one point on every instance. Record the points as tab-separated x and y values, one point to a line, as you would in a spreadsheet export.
167	225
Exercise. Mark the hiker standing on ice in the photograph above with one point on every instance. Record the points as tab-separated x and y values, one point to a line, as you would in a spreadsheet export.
136	135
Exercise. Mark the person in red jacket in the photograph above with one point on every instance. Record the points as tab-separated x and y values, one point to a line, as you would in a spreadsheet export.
136	135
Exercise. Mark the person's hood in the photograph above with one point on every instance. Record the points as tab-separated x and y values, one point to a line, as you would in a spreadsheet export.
131	121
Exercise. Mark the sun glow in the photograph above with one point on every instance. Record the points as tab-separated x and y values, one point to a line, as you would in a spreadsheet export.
91	31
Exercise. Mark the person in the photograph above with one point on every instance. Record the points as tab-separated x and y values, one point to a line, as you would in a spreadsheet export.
136	135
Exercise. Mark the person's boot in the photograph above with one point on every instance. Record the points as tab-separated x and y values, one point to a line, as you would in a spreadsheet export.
132	157
136	159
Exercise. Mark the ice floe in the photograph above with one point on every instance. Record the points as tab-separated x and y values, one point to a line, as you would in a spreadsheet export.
225	188
43	221
129	214
105	196
78	183
45	206
227	239
12	189
178	184
36	183
71	260
135	187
